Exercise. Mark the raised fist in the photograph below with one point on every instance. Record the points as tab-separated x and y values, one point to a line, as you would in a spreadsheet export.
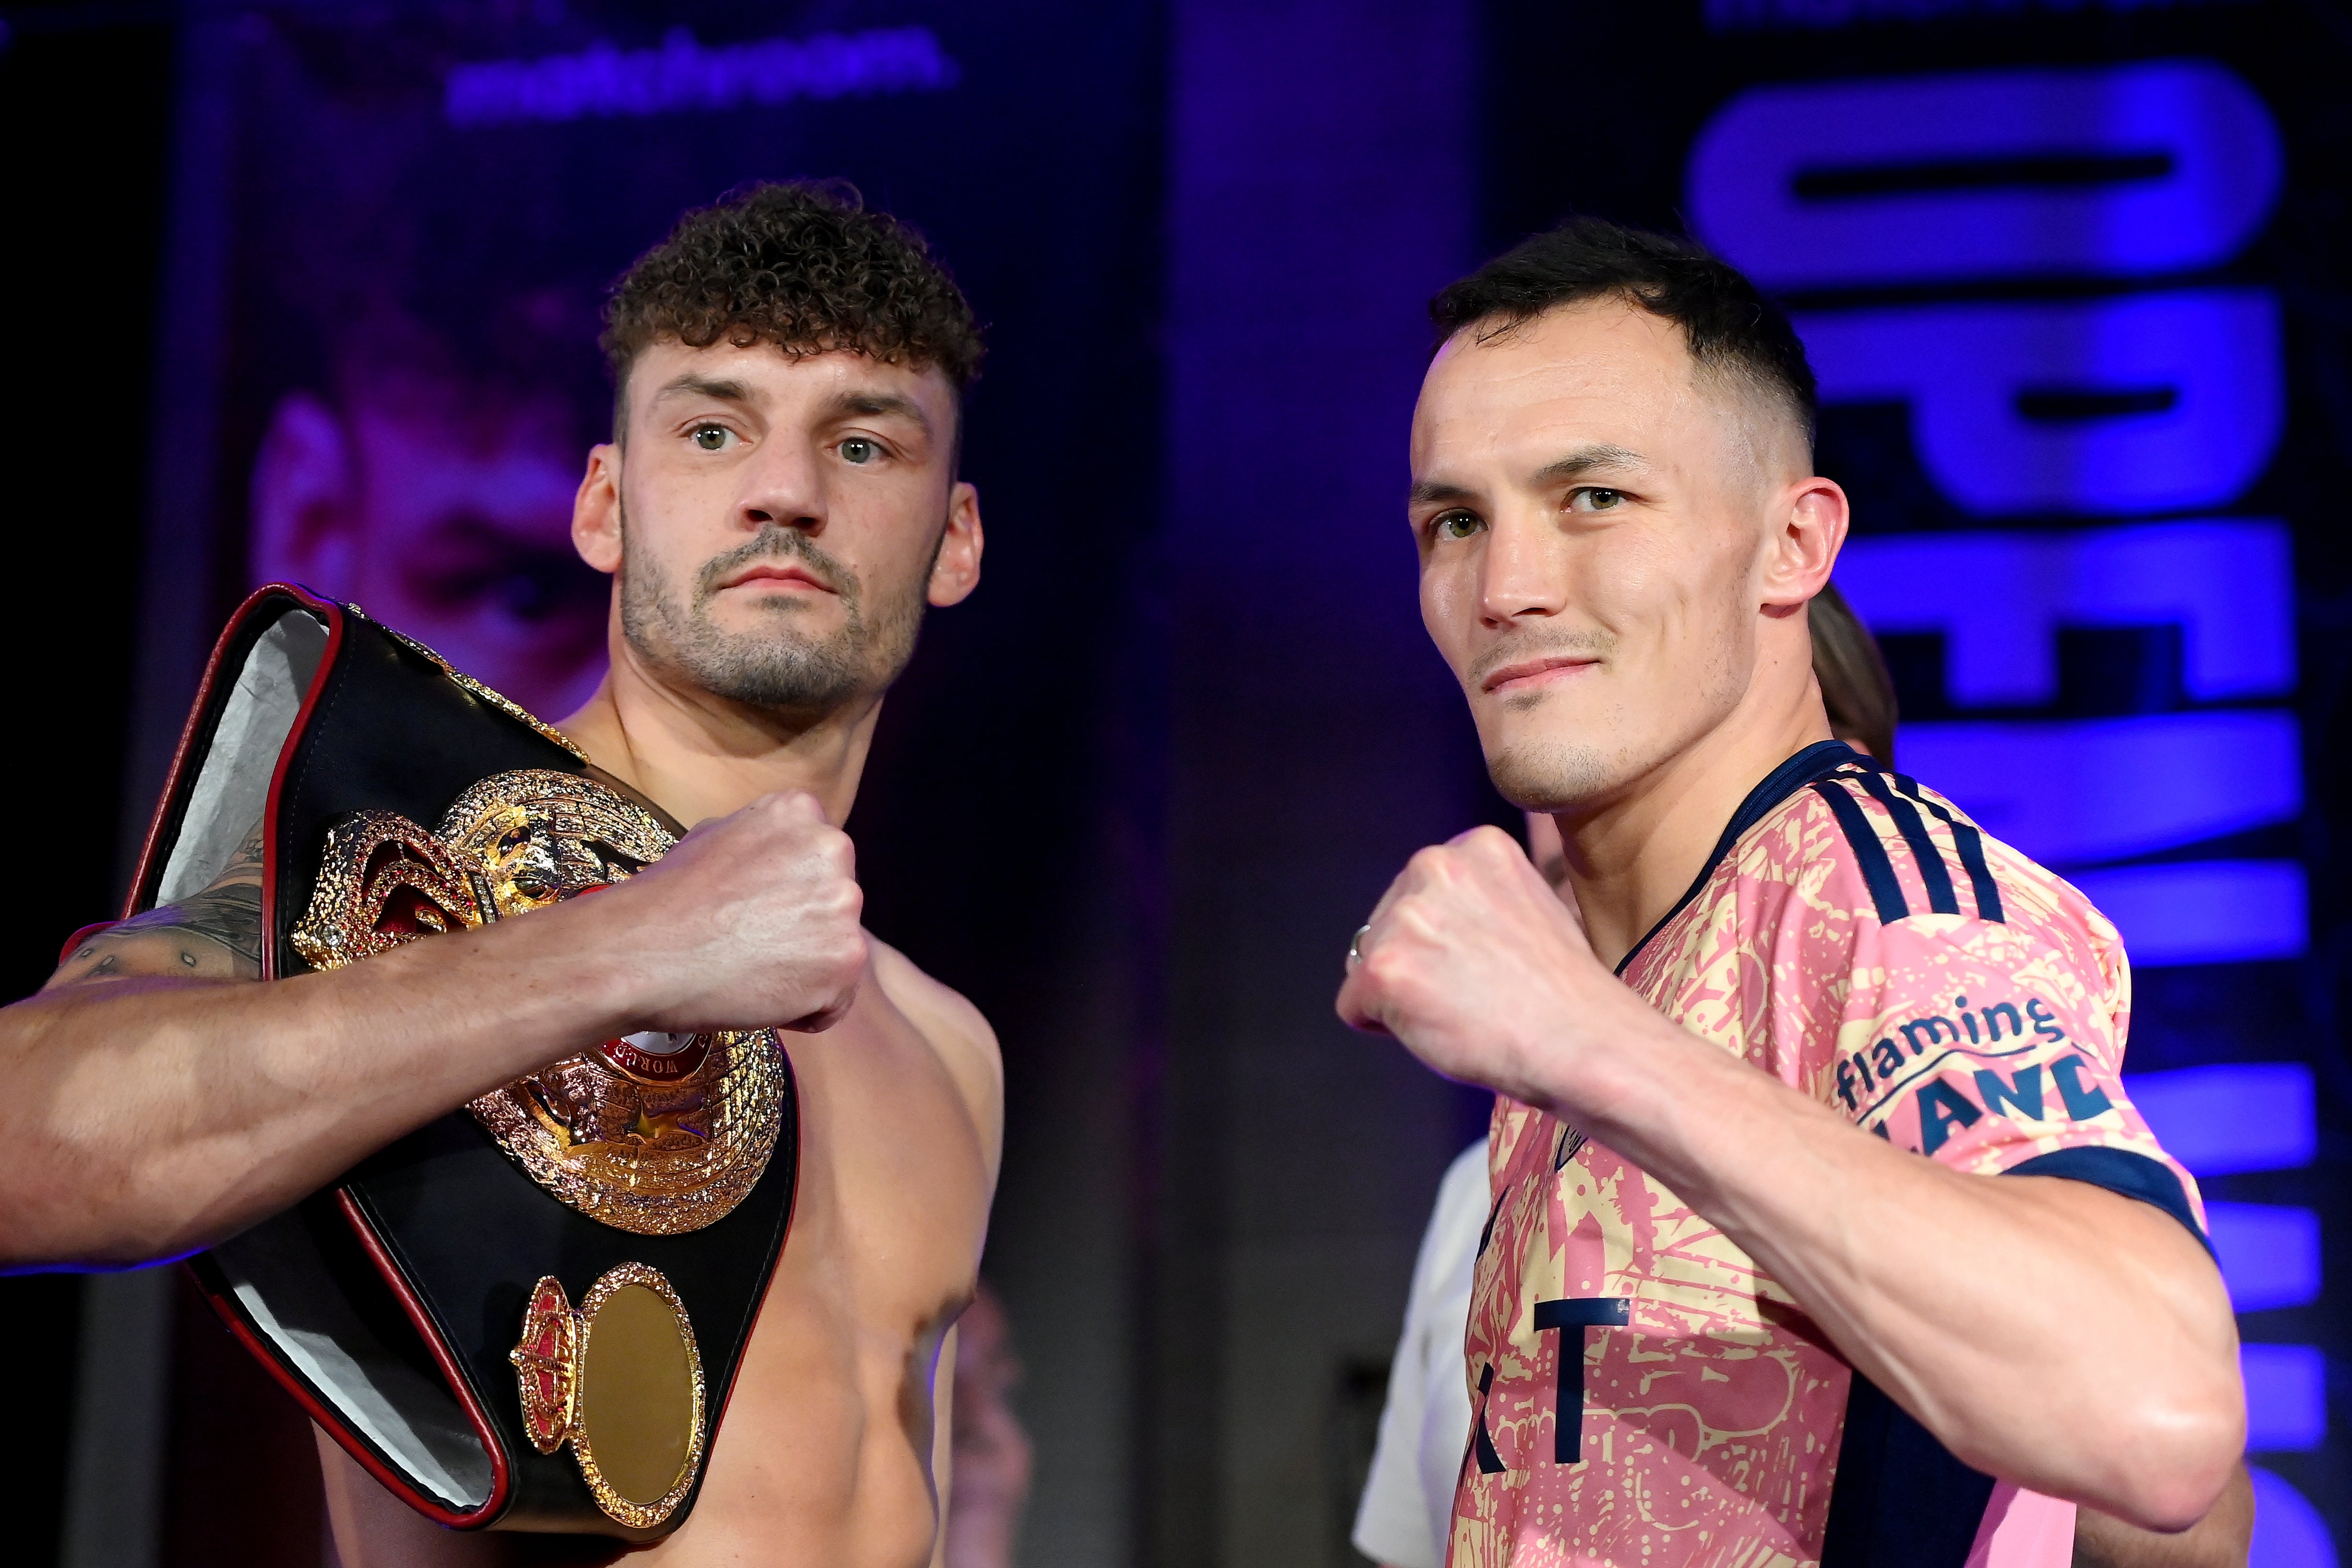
1481	969
750	923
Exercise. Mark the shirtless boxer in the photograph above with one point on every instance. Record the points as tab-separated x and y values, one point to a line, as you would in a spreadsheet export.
1822	1229
778	505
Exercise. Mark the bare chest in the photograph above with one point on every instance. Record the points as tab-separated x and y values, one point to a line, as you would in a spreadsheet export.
824	1452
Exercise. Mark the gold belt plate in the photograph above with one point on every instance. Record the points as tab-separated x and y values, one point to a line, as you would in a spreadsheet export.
620	1379
652	1134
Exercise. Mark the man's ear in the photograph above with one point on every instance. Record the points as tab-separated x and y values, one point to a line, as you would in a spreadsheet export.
596	510
1809	525
306	527
955	571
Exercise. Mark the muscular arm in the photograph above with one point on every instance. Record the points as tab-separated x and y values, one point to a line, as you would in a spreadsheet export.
150	1105
2046	1331
965	1043
2219	1540
212	935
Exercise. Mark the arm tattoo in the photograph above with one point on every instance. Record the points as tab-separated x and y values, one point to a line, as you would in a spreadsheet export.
228	915
246	862
213	935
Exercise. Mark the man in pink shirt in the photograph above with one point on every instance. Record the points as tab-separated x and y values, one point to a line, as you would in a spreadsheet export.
1745	1298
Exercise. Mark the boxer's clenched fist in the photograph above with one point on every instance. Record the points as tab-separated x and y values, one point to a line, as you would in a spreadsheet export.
1484	972
751	921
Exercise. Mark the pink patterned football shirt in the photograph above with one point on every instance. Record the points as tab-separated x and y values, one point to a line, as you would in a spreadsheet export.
1644	1395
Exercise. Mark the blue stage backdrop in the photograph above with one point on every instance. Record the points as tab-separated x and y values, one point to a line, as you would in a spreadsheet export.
2072	274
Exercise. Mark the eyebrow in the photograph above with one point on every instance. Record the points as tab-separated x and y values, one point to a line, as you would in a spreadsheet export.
705	386
1431	492
874	405
1601	456
867	405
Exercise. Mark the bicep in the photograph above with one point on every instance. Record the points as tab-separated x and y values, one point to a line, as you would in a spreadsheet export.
220	941
215	934
2165	1258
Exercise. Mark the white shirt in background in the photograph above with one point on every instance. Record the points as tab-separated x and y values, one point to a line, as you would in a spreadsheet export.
1408	1505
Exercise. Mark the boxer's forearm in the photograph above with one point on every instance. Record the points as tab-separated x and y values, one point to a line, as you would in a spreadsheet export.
142	1115
2049	1332
144	1118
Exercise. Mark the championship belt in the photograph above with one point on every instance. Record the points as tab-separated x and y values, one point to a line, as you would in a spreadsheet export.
575	1260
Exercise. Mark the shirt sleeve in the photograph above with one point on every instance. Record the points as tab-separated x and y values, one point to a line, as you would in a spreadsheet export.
1997	1048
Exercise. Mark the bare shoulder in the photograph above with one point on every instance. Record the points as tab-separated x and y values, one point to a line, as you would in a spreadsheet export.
955	1031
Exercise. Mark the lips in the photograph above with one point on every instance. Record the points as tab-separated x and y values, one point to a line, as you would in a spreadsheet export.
782	574
1523	674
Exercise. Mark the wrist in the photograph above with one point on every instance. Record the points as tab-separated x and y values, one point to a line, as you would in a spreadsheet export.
1614	1073
578	961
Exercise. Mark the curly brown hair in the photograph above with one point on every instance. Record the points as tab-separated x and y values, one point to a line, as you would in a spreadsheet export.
802	265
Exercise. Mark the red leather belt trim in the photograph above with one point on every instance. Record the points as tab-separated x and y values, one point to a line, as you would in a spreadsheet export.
167	820
75	940
502	1479
333	616
328	1419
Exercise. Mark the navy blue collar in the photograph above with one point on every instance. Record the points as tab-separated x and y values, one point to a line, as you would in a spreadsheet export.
1817	761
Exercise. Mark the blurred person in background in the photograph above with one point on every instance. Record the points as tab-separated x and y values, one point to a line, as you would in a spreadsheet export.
416	375
437	494
1748	1292
993	1458
1407	1509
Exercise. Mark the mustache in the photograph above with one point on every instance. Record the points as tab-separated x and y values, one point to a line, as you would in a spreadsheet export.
1538	644
776	543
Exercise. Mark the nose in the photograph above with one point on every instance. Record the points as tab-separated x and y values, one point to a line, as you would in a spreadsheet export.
1522	573
782	487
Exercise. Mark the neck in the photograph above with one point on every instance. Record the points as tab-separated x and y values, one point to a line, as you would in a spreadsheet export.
1630	856
698	755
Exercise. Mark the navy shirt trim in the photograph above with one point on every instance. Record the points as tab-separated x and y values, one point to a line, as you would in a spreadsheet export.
1817	761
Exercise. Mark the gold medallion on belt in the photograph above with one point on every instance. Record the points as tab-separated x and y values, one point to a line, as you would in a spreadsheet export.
656	1134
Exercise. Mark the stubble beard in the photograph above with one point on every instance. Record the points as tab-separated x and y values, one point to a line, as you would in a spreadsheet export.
777	667
1552	778
1545	775
1556	775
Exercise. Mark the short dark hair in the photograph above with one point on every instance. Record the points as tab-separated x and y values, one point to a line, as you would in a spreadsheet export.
1730	327
802	265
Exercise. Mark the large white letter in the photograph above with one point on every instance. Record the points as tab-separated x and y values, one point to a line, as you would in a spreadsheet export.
2147	402
2121	171
1999	598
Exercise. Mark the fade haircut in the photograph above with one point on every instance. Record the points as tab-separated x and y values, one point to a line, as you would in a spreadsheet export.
1732	330
802	265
